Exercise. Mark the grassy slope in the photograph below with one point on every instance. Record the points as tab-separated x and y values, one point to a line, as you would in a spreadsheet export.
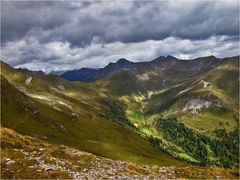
30	157
165	100
169	103
224	88
88	131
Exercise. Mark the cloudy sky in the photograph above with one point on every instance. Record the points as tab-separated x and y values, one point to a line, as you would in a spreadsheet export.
61	35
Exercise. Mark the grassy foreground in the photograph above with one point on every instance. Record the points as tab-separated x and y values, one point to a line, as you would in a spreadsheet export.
24	157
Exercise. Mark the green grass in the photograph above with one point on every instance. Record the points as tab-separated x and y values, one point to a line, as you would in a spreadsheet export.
136	117
104	118
186	157
115	140
210	119
222	150
146	131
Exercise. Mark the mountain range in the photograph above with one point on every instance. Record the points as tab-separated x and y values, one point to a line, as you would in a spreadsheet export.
91	75
166	112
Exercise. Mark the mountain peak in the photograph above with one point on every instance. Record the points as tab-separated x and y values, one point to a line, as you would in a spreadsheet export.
123	61
212	56
171	57
165	58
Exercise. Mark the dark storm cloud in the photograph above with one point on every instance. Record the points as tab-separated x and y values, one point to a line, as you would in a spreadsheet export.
22	17
60	35
110	21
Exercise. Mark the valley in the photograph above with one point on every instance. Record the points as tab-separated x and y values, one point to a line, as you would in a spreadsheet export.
166	112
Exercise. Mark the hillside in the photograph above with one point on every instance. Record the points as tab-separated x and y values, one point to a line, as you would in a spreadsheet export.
203	104
90	75
167	112
70	116
24	157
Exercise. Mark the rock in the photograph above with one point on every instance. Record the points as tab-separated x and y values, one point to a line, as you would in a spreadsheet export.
43	137
25	153
196	104
9	161
61	86
206	84
49	167
162	171
28	80
34	152
84	170
41	149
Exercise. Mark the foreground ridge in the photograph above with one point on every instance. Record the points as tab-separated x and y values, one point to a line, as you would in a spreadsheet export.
24	157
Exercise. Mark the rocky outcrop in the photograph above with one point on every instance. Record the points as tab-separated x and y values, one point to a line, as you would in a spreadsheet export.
28	80
196	104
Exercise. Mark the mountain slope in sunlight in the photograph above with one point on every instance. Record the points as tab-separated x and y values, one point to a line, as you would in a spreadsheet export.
73	117
135	112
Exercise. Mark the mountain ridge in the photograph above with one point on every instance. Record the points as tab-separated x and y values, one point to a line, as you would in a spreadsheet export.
91	75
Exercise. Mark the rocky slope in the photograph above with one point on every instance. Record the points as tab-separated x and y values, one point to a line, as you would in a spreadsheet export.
25	157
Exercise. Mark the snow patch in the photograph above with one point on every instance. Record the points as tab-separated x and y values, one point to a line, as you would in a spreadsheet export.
28	80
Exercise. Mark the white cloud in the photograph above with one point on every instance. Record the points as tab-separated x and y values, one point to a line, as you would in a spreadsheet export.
59	35
59	55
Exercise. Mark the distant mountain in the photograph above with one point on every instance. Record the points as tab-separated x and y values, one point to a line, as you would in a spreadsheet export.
91	75
58	73
85	74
